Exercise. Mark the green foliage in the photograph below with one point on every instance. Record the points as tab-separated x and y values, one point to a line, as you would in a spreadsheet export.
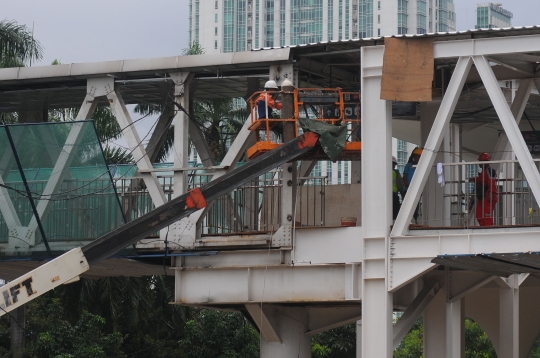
57	337
194	49
17	45
477	343
535	350
412	345
337	343
217	334
219	122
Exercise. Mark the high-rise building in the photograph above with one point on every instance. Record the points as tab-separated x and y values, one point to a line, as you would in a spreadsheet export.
240	25
492	15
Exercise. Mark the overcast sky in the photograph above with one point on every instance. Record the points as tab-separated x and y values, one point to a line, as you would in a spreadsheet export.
99	30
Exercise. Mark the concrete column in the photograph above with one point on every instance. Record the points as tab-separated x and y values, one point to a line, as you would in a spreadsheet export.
291	325
509	319
377	302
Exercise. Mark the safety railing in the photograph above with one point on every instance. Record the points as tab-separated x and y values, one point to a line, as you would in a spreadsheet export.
465	200
251	208
256	206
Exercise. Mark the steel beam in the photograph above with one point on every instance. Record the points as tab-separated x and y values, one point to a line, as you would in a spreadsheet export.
139	153
487	46
411	255
260	319
377	302
509	124
322	319
503	148
432	145
181	130
418	305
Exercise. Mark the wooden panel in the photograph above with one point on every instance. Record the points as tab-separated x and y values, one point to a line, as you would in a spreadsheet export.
407	70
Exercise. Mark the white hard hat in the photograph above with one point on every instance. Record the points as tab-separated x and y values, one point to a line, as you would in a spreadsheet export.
394	160
271	84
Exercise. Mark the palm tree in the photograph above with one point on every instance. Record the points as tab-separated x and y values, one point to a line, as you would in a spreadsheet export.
17	45
220	122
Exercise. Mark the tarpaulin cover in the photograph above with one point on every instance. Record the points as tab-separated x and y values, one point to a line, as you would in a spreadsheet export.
332	137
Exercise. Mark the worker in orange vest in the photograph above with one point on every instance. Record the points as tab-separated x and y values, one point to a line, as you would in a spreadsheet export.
266	102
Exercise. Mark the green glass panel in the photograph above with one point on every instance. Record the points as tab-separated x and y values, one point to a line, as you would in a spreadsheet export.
70	184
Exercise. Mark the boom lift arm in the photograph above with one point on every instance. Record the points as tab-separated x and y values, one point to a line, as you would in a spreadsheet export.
75	262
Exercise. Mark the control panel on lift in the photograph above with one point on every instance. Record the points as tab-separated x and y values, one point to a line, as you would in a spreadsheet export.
330	105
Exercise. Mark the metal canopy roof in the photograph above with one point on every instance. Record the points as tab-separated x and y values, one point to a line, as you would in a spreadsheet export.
504	264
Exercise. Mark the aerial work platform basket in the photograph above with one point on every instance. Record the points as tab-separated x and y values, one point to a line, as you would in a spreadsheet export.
328	105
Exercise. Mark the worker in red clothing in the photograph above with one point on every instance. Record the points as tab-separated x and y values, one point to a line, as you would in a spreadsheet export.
266	102
486	192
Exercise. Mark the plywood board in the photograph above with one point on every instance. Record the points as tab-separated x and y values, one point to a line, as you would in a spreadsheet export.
408	66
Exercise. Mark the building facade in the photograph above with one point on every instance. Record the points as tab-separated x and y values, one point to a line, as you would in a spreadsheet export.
492	15
242	25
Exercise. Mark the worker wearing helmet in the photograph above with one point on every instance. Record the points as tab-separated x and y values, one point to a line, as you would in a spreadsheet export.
397	187
486	192
408	173
266	102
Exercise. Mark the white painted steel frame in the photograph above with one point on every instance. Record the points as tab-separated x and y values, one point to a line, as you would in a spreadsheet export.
377	302
432	145
135	144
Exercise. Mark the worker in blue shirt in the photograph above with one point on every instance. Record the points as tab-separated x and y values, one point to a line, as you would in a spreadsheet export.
408	173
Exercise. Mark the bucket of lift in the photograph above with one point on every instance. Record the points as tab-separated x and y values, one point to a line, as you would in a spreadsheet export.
330	105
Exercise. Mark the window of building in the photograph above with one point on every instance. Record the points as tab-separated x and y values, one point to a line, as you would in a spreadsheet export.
216	18
215	31
378	32
216	6
378	5
215	44
378	19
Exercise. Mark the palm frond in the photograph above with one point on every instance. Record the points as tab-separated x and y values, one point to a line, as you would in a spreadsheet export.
17	42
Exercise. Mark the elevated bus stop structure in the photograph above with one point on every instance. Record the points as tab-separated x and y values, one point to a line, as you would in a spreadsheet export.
293	281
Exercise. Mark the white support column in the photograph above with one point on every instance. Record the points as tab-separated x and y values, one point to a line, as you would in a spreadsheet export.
455	321
134	142
509	124
181	130
377	302
435	326
291	324
509	319
433	143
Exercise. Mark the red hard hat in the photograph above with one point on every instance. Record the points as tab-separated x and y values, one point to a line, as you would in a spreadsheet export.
484	157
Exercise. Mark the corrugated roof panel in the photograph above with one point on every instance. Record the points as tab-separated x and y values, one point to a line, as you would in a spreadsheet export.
501	264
